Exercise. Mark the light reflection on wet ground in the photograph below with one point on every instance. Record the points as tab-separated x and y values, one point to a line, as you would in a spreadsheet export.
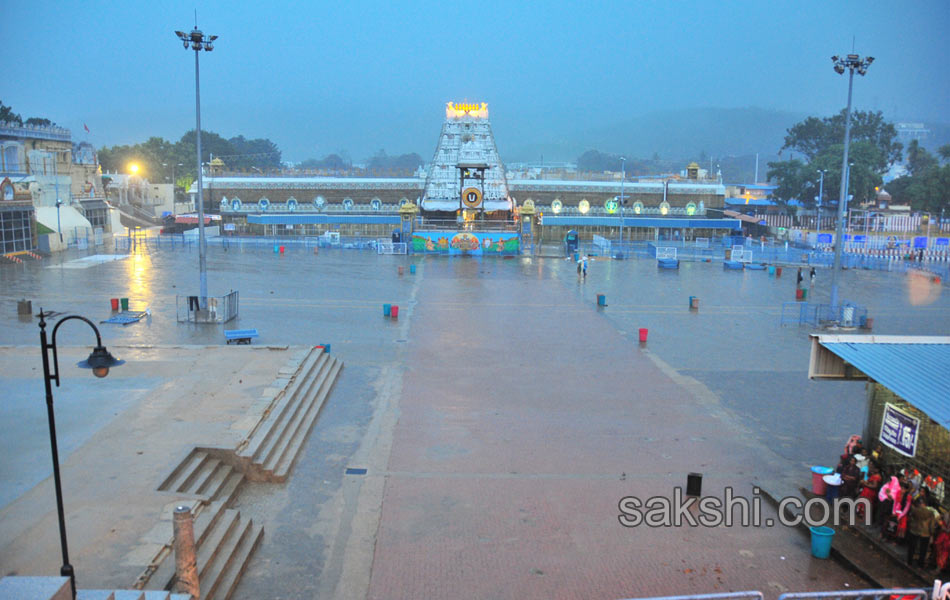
733	343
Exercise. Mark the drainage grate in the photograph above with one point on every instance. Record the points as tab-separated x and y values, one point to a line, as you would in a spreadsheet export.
355	471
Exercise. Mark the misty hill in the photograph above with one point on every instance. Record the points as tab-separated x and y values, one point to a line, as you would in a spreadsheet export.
717	132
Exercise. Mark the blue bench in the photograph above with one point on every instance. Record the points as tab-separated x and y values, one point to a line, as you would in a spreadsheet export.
240	336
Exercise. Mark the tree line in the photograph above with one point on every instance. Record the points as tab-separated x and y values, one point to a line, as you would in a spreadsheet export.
819	146
159	159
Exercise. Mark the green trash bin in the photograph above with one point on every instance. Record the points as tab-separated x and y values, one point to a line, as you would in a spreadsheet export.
125	304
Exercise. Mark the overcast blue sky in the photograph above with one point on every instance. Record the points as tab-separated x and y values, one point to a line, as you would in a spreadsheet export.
321	77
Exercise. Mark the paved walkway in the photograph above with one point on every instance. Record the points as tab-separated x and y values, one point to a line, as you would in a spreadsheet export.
519	432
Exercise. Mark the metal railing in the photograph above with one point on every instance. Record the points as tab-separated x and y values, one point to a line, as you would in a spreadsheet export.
878	594
217	309
890	594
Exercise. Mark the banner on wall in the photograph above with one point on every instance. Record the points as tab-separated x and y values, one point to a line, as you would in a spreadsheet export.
899	430
466	242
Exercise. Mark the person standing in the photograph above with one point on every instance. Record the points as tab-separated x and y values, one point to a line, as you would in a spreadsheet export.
585	266
799	279
811	277
920	527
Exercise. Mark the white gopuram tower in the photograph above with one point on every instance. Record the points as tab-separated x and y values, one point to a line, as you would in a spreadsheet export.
466	173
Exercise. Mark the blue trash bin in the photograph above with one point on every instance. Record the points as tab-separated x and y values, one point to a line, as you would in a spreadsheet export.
821	541
833	486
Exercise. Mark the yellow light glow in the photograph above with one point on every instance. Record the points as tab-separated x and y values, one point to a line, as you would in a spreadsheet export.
664	208
133	168
583	206
556	206
457	110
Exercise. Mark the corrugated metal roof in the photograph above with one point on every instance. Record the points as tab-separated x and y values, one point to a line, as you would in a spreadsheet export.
918	371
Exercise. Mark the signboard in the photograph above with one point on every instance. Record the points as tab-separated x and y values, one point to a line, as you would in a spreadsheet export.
229	226
899	430
860	239
943	241
920	241
824	238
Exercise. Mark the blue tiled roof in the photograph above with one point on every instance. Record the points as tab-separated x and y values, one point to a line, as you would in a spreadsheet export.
751	202
917	372
321	218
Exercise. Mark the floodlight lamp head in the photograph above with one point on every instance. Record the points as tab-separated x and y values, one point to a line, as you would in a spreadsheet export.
839	69
870	59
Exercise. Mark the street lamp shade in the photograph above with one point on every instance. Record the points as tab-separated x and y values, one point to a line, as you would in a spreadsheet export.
100	361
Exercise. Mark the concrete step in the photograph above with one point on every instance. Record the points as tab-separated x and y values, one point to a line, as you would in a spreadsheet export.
200	477
285	401
184	472
214	481
218	541
229	490
282	467
272	452
224	581
311	382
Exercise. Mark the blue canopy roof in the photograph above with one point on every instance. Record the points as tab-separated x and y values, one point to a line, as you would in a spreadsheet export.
915	368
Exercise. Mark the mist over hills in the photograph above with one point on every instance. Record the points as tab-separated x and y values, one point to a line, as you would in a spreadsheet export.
726	138
677	134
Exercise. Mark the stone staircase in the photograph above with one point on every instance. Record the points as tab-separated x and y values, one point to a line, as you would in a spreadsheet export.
213	476
225	542
273	446
206	473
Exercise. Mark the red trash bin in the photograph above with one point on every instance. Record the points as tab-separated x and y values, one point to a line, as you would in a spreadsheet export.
394	311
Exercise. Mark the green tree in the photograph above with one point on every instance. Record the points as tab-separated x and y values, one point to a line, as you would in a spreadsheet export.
792	177
7	115
918	159
927	188
813	135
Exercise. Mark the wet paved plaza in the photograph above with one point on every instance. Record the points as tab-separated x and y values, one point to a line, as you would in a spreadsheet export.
503	415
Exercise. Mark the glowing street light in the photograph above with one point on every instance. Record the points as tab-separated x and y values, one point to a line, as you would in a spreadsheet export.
851	63
134	168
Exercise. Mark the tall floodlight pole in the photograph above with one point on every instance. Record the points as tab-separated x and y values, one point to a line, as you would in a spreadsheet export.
623	176
198	42
851	63
821	190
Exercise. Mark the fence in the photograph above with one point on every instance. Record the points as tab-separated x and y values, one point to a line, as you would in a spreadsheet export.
384	246
217	309
877	594
602	244
820	315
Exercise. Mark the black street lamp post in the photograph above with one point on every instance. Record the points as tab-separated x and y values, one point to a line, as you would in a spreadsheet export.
100	361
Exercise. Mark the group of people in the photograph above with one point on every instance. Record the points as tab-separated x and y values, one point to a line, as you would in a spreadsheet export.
905	505
799	280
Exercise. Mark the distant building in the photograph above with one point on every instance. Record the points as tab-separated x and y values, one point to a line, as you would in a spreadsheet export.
61	178
911	131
